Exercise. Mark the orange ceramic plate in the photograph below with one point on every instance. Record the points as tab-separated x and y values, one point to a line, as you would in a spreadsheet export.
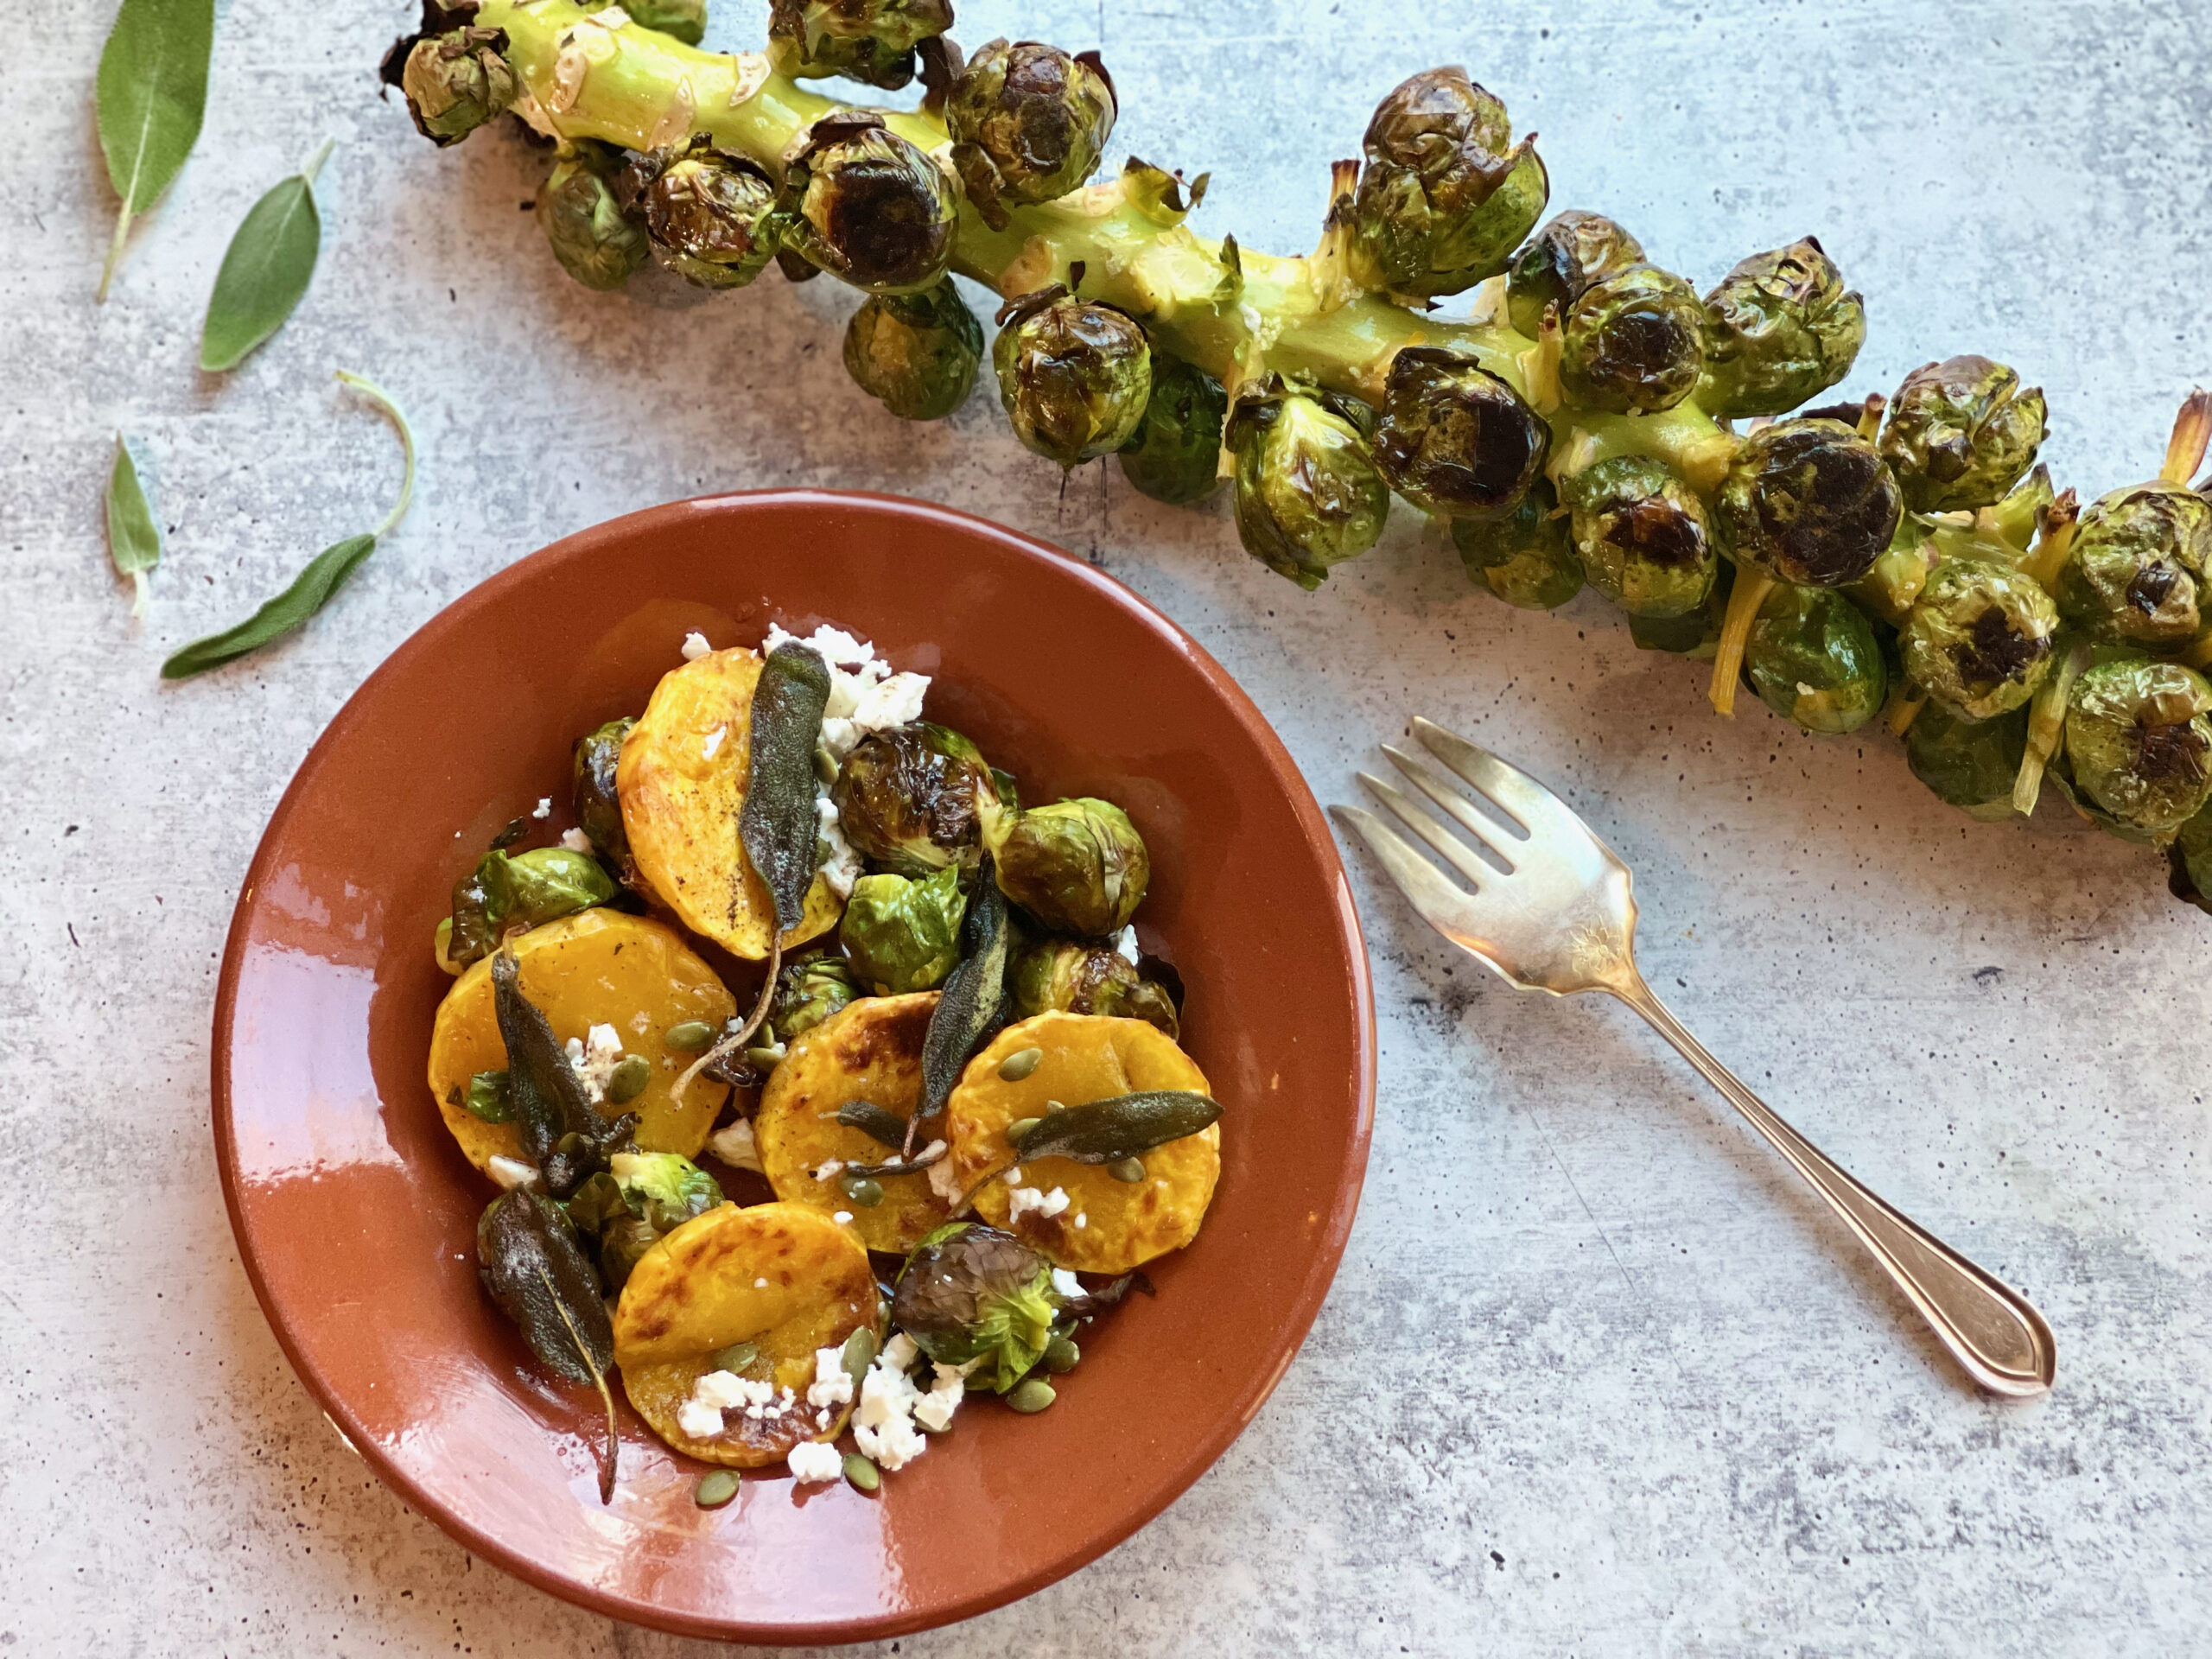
356	1215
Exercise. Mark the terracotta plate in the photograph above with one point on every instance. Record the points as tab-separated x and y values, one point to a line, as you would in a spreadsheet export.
356	1215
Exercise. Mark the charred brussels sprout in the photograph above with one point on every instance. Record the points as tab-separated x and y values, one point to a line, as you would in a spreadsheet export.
903	936
1175	455
1076	978
1632	341
1779	328
1527	558
505	895
457	82
868	206
592	793
1454	438
1444	196
912	798
1813	656
915	354
2137	564
712	215
1075	377
1977	639
870	40
2139	746
1309	494
808	991
1808	501
643	1196
1641	536
973	1295
1079	866
686	19
595	241
1970	764
1028	123
1573	250
1961	433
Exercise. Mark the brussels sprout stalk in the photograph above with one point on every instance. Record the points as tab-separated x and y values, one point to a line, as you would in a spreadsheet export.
2046	729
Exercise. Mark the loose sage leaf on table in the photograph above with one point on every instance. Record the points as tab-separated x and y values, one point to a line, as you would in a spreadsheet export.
266	269
312	588
134	539
151	94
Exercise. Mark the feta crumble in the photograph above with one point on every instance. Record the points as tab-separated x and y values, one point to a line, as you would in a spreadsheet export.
594	1059
838	860
948	1388
883	1422
812	1463
865	695
544	807
699	1422
695	647
833	1384
512	1172
1082	1221
944	1181
1026	1200
735	1145
1066	1283
828	1170
1126	946
842	1218
576	842
1013	1178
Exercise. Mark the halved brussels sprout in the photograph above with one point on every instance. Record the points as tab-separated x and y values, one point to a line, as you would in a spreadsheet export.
1808	501
1979	638
1079	866
1961	433
903	936
1175	455
1081	978
809	989
1075	377
973	1295
503	895
2135	571
1028	123
1527	558
1641	536
1309	493
1780	328
912	799
1813	656
642	1197
2139	746
1573	250
1454	438
915	354
1632	341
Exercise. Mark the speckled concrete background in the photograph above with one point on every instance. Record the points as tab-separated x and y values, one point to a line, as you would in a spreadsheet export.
1596	1378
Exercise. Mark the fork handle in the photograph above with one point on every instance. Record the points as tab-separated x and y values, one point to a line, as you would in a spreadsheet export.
1992	1330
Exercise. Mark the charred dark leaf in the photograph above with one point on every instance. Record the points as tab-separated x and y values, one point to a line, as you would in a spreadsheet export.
876	1122
776	823
533	1266
973	1004
560	1131
972	1294
1125	1126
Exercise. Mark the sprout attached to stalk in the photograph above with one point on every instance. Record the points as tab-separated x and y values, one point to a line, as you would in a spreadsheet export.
712	215
1453	438
455	82
1573	250
1527	558
684	19
1961	433
809	989
1074	376
1812	656
1175	455
2136	568
1632	342
870	40
596	242
1028	123
916	354
2138	745
1641	536
1309	493
866	205
1978	639
1780	328
1972	765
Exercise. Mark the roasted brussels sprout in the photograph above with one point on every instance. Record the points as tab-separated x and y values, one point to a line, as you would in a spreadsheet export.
2137	565
1961	433
592	793
1175	455
809	989
870	40
1028	123
1309	494
595	241
1807	501
1971	764
1979	638
1079	866
711	215
2139	746
1634	341
1573	250
2190	860
1641	536
642	1196
915	354
1074	977
686	19
1075	376
970	1293
1895	579
1527	558
505	895
1813	656
912	798
868	206
1454	438
1779	328
457	82
1444	197
903	936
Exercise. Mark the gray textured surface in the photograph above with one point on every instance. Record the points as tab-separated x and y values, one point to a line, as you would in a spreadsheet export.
1596	1377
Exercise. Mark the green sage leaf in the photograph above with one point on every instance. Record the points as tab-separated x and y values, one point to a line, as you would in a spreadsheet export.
488	1099
532	1265
777	822
312	588
877	1122
266	269
134	539
151	94
974	1004
1124	1126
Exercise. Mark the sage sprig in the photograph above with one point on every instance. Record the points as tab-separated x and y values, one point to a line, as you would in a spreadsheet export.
1107	1131
266	268
151	95
134	538
312	588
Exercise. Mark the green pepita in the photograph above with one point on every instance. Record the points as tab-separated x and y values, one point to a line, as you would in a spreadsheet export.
1022	1126
1127	1169
715	1490
861	1473
1061	1356
863	1190
858	1354
737	1357
628	1080
692	1037
1020	1064
1032	1396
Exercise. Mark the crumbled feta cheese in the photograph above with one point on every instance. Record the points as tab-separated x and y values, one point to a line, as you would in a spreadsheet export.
576	842
933	1411
760	1284
944	1181
1082	1221
714	741
883	1422
1029	1198
594	1059
1126	946
1066	1283
836	857
833	1384
865	695
735	1145
695	646
1013	1178
811	1463
544	809
826	1171
901	1352
842	1218
725	1390
700	1422
512	1172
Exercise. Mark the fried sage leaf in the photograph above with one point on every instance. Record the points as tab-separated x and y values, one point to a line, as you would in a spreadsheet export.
1123	1126
488	1098
879	1122
152	94
532	1266
266	269
134	538
777	822
561	1133
973	1005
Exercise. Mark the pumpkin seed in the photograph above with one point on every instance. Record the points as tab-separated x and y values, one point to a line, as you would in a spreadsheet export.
690	1038
861	1473
1127	1169
1020	1064
858	1354
736	1356
715	1490
863	1190
628	1080
1061	1356
1031	1396
1022	1126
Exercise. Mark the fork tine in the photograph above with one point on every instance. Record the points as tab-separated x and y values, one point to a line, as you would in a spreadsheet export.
1448	847
1522	796
1425	777
1421	882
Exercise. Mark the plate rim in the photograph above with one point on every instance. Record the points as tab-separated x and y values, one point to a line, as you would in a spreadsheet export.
1323	1262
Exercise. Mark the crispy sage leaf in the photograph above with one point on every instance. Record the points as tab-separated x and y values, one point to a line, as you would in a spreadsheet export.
561	1132
532	1266
312	588
151	93
777	822
134	539
487	1097
870	1119
973	1005
266	269
1123	1126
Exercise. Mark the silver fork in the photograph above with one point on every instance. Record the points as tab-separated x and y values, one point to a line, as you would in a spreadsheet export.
1549	909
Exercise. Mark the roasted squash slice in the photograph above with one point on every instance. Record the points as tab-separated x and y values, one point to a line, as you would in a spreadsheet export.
681	781
597	967
776	1277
